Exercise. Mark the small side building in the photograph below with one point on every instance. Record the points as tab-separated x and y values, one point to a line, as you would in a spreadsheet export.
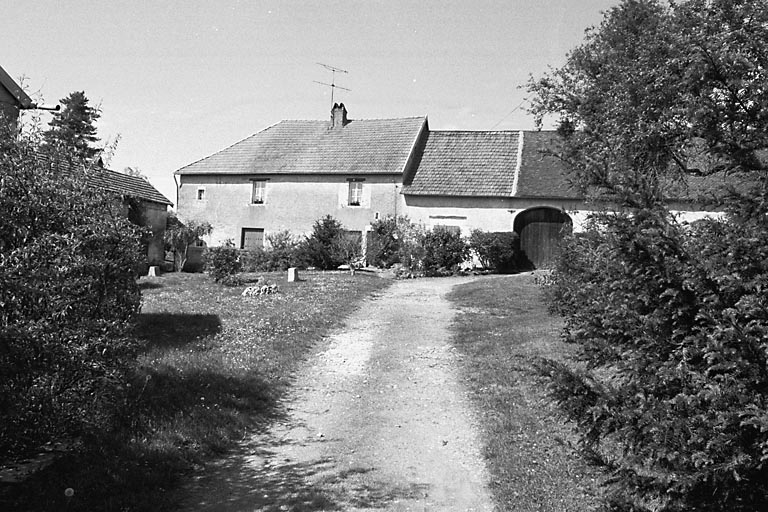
143	205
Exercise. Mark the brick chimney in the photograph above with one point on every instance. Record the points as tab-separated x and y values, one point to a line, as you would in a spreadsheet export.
338	116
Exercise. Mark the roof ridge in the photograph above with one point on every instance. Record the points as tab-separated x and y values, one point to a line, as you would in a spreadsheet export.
476	131
352	119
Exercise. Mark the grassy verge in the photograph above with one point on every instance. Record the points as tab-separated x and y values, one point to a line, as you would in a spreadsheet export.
212	367
501	330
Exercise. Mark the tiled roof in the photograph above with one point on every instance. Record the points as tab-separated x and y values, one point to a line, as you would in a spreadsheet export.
362	146
541	174
106	179
123	184
457	163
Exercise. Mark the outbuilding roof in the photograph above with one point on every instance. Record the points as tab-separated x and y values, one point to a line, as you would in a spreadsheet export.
371	146
462	163
541	174
123	184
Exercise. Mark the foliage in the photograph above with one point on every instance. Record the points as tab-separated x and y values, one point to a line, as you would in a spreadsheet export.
497	251
73	128
318	249
68	260
444	251
396	241
671	319
383	249
223	263
179	236
135	172
348	247
411	249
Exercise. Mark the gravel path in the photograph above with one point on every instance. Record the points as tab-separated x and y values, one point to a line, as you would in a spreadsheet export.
377	421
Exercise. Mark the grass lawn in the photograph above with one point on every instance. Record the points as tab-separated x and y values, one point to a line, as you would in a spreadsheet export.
501	330
212	367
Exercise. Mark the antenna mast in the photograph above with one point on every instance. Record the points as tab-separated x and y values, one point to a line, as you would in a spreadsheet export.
332	85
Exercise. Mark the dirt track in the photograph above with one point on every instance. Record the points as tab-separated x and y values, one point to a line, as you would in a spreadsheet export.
377	421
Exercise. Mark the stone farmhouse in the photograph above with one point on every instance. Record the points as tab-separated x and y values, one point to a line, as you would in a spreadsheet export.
294	172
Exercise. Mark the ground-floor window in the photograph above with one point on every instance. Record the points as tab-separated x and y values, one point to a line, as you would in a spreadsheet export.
252	238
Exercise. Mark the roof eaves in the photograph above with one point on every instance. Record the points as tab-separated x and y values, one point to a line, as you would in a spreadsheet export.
15	89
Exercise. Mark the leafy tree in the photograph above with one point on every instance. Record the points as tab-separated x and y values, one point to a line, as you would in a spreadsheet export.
670	319
67	291
179	236
73	127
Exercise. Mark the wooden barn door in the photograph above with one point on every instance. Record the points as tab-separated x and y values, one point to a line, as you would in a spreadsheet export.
541	231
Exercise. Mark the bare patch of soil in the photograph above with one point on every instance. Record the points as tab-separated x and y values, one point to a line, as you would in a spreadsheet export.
377	420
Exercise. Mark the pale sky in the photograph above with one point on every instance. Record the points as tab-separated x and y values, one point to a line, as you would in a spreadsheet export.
180	80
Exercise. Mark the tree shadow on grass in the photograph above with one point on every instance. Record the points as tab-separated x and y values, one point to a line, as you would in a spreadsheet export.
257	479
146	284
175	329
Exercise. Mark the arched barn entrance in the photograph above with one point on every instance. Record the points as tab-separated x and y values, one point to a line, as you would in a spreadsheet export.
541	230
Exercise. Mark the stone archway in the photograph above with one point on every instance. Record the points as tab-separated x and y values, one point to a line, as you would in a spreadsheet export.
541	230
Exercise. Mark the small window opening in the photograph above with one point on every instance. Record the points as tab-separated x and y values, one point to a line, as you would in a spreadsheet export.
355	193
259	189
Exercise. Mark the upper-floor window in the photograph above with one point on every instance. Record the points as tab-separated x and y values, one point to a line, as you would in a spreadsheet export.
355	193
200	194
258	192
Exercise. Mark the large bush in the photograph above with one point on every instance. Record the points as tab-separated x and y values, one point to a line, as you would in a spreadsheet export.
319	248
223	263
68	260
384	243
444	251
281	253
671	320
499	251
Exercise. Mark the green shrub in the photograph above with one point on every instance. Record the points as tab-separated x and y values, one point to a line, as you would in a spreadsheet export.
444	251
223	263
68	260
281	253
384	243
318	249
672	322
497	251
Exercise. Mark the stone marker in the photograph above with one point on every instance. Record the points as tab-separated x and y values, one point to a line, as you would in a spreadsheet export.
293	274
154	271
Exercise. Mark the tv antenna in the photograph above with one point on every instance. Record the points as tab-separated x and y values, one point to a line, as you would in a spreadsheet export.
332	85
